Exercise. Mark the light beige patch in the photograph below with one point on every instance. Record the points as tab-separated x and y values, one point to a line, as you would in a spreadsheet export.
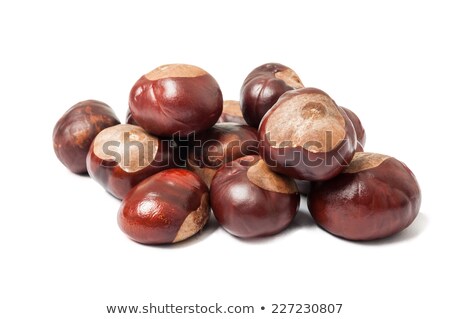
364	160
262	176
175	71
290	78
135	147
232	107
195	221
308	120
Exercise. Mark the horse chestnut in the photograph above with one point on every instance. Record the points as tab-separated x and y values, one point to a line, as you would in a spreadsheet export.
222	143
121	156
262	88
359	129
231	112
167	207
176	98
307	136
375	197
77	128
250	200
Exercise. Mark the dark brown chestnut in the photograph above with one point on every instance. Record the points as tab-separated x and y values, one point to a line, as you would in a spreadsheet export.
222	143
77	128
375	197
165	208
250	200
359	129
262	88
231	112
121	156
307	136
176	98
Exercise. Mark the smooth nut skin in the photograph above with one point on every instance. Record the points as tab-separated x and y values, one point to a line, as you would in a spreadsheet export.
262	88
231	113
369	204
165	208
222	143
359	129
295	159
165	103
113	173
247	210
77	128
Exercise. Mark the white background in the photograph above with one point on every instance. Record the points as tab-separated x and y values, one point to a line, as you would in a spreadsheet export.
62	253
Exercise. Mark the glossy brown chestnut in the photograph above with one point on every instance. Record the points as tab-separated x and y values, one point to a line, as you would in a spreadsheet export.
176	98
76	129
375	197
231	113
222	143
165	208
121	156
359	129
250	200
262	88
307	136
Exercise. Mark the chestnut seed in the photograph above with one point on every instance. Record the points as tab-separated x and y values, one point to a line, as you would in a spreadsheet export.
231	113
250	200
262	88
176	98
359	129
121	156
307	136
375	197
222	143
165	208
76	129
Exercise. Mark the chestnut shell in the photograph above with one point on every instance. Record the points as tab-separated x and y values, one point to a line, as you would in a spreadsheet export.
369	204
154	211
77	128
359	129
246	210
119	182
176	105
300	163
261	90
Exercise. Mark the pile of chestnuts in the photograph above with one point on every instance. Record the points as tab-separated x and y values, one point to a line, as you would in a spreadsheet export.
184	152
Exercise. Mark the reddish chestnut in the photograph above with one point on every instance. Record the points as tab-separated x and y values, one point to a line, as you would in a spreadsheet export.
262	88
250	200
176	98
76	129
222	143
121	156
165	208
375	197
359	129
231	112
307	136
